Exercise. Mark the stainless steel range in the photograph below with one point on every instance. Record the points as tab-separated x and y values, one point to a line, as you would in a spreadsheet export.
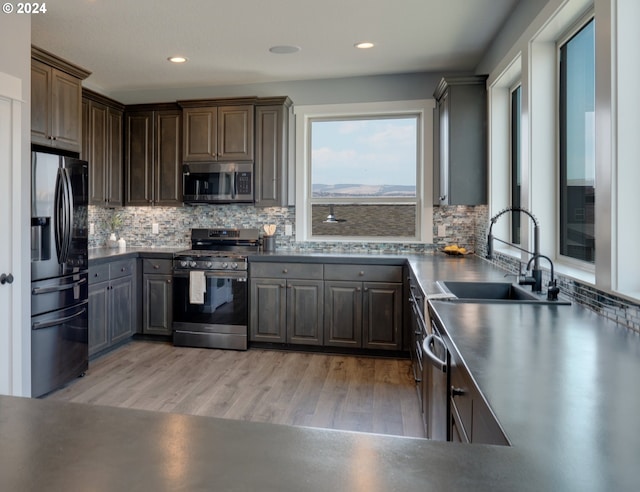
210	294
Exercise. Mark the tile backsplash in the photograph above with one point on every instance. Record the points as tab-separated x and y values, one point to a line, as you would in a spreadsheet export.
464	225
175	224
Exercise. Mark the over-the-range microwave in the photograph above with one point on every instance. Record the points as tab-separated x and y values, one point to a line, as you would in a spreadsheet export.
217	182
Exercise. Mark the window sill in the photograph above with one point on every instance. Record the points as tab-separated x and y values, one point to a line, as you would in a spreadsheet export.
564	270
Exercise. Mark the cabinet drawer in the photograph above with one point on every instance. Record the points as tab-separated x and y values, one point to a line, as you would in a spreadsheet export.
156	266
364	273
121	268
462	392
311	271
98	273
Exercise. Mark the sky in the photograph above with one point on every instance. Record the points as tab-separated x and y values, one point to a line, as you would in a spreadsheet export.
366	151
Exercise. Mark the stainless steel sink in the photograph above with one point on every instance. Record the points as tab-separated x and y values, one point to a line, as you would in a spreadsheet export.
491	292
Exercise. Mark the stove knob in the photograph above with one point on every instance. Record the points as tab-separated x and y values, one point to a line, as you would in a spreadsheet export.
234	266
184	263
209	264
225	266
192	264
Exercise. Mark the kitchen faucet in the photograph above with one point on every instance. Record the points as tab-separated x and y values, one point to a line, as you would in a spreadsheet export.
536	274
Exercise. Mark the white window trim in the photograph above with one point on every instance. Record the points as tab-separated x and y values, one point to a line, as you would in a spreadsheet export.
500	154
304	114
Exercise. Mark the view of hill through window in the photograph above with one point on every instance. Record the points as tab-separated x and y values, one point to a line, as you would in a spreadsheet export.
364	158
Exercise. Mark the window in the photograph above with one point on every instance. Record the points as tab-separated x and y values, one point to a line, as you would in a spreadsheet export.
516	162
577	145
364	176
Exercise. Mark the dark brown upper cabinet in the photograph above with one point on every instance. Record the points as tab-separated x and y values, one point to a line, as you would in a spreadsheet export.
460	141
218	130
102	147
153	151
56	101
274	151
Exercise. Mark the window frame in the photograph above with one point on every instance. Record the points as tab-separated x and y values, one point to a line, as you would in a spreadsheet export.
515	125
305	115
561	40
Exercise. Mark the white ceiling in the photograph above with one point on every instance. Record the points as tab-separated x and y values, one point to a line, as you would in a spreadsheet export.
125	43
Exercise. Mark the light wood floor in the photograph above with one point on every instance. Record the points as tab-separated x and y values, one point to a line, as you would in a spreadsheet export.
317	390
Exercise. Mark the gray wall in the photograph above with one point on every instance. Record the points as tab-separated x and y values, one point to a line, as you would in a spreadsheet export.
524	13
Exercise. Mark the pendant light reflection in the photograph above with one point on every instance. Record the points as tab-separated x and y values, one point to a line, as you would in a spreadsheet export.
331	218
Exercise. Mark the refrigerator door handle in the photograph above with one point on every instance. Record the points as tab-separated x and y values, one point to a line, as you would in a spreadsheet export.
69	214
48	290
63	214
55	322
59	215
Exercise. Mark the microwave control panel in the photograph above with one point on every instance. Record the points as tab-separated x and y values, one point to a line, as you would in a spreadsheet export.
243	183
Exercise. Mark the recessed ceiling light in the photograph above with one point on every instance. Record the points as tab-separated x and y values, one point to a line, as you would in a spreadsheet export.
364	45
284	49
177	59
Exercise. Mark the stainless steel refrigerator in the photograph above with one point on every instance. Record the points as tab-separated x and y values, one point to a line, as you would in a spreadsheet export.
59	271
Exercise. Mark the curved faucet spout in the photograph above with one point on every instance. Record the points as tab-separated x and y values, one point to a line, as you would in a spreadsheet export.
536	235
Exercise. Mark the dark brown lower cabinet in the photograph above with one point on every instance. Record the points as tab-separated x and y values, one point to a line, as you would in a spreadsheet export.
471	419
363	314
157	297
286	302
336	305
112	304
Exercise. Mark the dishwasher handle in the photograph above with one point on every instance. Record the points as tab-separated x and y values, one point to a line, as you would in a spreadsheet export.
433	358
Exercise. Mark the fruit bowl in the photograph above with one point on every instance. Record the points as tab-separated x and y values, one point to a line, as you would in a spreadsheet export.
456	252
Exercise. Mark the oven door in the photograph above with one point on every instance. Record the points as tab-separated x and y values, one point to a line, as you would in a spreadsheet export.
225	299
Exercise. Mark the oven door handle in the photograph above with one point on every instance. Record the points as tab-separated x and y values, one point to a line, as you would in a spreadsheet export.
241	276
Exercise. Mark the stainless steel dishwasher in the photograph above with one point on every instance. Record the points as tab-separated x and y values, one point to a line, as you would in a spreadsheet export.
436	381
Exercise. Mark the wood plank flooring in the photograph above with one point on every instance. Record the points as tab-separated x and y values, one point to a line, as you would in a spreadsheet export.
308	389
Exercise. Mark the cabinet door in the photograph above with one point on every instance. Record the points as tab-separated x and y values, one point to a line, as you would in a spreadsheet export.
268	310
235	133
139	158
460	162
114	169
343	313
66	111
382	315
443	148
98	317
157	304
200	134
40	103
98	151
485	429
269	162
168	158
304	311
121	309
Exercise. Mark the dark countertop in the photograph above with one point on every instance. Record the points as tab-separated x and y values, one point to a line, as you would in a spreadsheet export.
98	256
58	446
560	379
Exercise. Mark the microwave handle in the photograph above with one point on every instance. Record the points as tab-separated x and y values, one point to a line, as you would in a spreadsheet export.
233	185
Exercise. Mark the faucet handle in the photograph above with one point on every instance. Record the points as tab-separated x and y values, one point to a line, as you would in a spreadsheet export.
552	291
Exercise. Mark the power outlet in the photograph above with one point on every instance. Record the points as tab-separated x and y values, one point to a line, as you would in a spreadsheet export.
92	228
288	230
442	230
155	229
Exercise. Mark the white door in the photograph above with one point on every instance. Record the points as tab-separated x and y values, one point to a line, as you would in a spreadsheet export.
14	346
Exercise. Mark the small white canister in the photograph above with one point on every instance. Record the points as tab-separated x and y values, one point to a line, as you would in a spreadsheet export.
122	244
